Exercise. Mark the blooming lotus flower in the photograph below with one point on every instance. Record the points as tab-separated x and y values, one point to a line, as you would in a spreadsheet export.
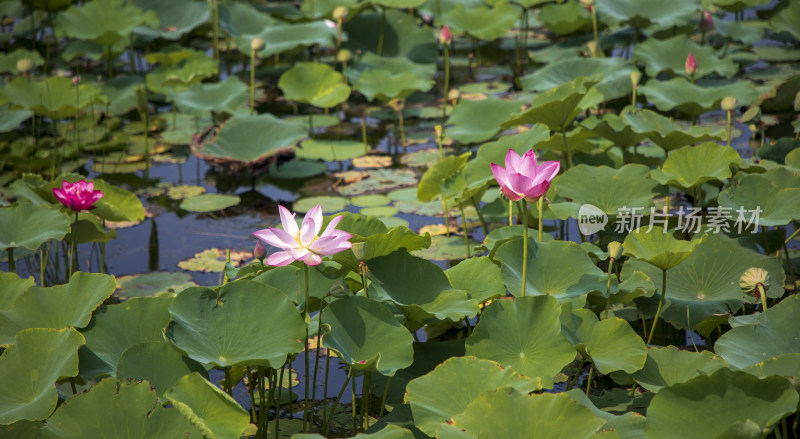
77	196
691	65
523	177
444	36
302	243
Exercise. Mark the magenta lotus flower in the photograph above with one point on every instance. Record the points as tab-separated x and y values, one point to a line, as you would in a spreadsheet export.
691	65
77	196
523	177
302	243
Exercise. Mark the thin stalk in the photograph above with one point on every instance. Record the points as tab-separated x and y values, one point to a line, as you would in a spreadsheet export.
383	31
510	213
481	219
228	384
363	271
270	398
791	236
446	91
110	63
608	286
336	402
789	265
311	124
132	54
291	403
763	294
574	379
523	213
466	230
353	398
305	317
41	267
540	203
566	147
594	30
729	127
383	398
316	357
252	81
660	304
589	380
364	394
402	128
325	386
11	267
278	405
446	218
72	245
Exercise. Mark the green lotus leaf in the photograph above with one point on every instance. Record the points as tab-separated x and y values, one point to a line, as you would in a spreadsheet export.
663	131
691	166
380	240
734	5
330	150
565	18
787	20
223	97
117	204
380	180
710	404
479	121
669	365
380	211
777	54
103	22
610	344
295	169
123	411
447	248
29	225
371	200
479	170
558	107
11	119
29	370
21	429
781	96
747	32
387	85
670	56
615	129
206	407
121	92
8	61
778	204
283	37
171	79
479	277
785	365
447	391
387	345
658	247
115	328
418	287
239	18
525	334
57	307
606	188
249	139
434	179
11	287
402	36
157	362
628	426
55	97
398	4
560	269
316	84
509	413
679	93
175	18
615	72
481	22
792	159
206	325
209	202
329	203
642	13
774	333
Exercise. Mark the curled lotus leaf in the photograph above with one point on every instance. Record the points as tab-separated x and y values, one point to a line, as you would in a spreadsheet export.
316	84
694	99
670	56
691	166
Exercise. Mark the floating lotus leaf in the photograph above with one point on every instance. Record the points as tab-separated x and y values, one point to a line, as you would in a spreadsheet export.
283	37
593	340
643	13
663	131
297	169
387	85
525	334
157	362
252	139
658	247
484	88
329	203
787	20
223	97
509	413
385	350
481	22
615	72
418	287
30	368
208	408
446	248
11	287
175	18
710	404
212	260
330	150
478	121
691	166
479	277
103	22
29	225
123	410
398	4
206	325
380	211
57	307
679	93
670	56
778	204
565	18
403	37
380	180
55	97
370	200
747	32
209	202
669	365
447	391
316	84
8	61
557	107
478	170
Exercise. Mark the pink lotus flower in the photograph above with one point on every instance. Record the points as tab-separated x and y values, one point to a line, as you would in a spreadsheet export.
444	36
77	196
303	244
523	178
691	65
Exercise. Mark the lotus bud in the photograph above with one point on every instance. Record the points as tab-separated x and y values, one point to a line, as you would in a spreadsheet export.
344	56
752	278
360	250
257	44
706	23
24	65
444	36
453	95
614	250
260	252
339	13
76	79
729	103
691	65
438	130
636	76
397	104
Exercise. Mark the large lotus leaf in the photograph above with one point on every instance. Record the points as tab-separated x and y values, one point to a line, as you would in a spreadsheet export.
670	56
557	107
29	370
642	13
707	282
778	205
116	327
446	391
330	151
120	410
366	335
658	247
11	287
787	20
171	79
709	404
379	243
11	119
387	84
208	325
525	334
316	84
628	426
560	269
8	61
21	429
157	362
479	121
238	18
669	365
606	188
29	225
482	22
478	170
565	18
691	166
249	138
610	344
55	97
103	22
678	93
734	5
291	282
663	131
785	365
403	37
212	411
284	36
175	18
775	332
434	179
780	98
615	71
57	307
418	287
613	128
479	277
510	414
223	97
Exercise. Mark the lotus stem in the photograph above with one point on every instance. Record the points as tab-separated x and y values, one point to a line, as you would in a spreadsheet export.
73	245
589	380
11	267
510	213
325	386
251	393
574	379
789	265
729	127
278	405
446	91
305	345
364	133
291	403
402	127
383	398
339	397
41	266
316	356
608	286
792	236
523	214
272	378
466	229
594	30
763	294
364	415
446	218
660	304
541	205
480	216
110	63
253	81
353	398
228	385
566	147
213	6
311	123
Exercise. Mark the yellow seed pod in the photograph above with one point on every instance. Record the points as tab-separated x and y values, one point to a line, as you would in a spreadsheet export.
257	44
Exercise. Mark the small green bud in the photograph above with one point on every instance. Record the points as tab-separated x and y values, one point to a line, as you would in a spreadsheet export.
360	250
